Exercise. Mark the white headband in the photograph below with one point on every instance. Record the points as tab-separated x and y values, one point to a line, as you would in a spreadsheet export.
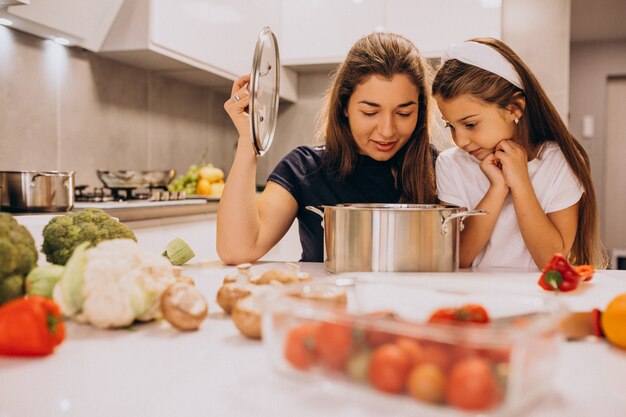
485	57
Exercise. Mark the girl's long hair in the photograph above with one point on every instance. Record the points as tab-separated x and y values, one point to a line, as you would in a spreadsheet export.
384	54
540	123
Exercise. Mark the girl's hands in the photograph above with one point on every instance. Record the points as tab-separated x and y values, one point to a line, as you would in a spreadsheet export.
514	162
491	168
237	109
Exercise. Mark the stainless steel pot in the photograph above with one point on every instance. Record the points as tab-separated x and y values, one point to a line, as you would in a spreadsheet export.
136	179
392	237
36	191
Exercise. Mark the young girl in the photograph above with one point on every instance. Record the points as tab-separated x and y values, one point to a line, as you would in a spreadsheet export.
515	159
375	126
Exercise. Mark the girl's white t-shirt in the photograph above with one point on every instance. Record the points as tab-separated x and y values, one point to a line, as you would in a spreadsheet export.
461	182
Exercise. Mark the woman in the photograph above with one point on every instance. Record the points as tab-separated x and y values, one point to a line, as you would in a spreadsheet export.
375	126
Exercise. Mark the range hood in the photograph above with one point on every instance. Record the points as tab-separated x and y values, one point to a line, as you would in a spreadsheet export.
84	23
7	3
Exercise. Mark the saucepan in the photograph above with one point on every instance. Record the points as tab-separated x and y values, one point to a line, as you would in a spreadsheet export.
392	237
136	179
36	191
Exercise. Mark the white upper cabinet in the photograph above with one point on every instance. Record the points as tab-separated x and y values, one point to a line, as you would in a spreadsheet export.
219	32
205	42
432	25
82	22
322	31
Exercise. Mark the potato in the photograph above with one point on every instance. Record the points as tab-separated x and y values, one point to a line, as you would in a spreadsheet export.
184	306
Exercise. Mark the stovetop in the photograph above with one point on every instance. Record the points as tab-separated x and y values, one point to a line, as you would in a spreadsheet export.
136	203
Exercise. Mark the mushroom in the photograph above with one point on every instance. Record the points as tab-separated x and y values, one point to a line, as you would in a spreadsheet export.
184	306
234	288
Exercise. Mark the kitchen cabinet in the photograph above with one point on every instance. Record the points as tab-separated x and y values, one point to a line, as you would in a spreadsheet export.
433	25
209	43
322	31
84	23
199	231
319	33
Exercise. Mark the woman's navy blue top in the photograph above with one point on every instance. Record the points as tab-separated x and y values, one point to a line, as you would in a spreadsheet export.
302	174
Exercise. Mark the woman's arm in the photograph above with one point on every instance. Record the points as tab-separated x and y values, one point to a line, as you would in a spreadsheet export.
247	226
544	234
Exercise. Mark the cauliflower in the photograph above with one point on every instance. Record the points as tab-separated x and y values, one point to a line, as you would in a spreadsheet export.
63	233
113	284
18	255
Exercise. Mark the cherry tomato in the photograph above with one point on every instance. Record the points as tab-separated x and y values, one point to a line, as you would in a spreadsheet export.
469	313
389	368
375	338
359	364
427	383
412	348
472	385
334	343
300	349
438	354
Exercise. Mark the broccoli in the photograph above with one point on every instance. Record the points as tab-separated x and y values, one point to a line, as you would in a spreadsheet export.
18	255
63	233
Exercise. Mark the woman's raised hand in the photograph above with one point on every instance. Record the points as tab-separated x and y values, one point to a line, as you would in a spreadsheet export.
237	104
514	162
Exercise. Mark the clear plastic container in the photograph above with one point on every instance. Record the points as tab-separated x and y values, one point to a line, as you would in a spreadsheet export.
381	340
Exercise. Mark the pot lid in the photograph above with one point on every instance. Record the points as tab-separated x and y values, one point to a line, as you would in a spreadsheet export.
264	89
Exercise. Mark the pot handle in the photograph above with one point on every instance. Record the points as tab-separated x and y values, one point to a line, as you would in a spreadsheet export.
462	215
316	211
37	175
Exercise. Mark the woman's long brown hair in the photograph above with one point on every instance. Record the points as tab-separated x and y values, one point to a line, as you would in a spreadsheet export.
384	54
540	123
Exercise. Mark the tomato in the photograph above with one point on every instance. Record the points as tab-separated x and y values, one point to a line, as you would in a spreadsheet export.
389	368
359	364
462	351
469	313
375	338
472	385
427	383
438	354
300	349
412	348
334	343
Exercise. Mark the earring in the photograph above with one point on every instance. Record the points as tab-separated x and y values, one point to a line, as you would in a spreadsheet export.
516	121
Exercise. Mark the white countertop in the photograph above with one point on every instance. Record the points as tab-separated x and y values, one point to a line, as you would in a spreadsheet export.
157	371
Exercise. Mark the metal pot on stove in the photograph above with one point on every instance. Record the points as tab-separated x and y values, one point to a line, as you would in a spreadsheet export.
129	179
392	237
36	191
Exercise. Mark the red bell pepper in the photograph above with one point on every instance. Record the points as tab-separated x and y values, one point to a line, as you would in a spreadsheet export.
30	326
469	313
559	275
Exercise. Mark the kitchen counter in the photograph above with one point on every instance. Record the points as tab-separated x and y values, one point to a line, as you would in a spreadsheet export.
127	211
134	210
153	370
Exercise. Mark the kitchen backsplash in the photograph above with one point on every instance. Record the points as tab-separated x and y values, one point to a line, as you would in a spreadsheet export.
68	109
